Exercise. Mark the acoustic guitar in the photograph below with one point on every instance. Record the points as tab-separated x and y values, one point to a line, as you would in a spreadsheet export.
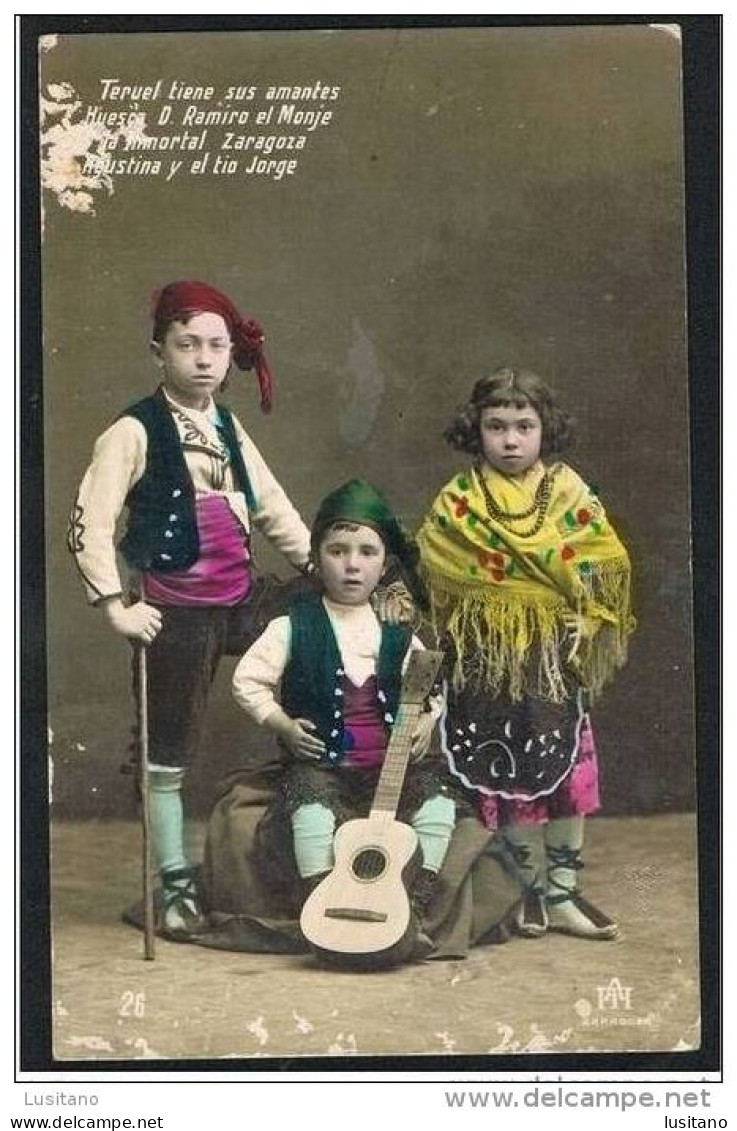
361	911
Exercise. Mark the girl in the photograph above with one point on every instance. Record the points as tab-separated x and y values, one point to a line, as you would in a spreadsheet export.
530	586
194	484
340	671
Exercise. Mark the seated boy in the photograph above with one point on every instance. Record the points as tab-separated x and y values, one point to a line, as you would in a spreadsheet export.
326	681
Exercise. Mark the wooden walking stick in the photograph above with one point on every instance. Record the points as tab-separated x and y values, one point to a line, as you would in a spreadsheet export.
148	890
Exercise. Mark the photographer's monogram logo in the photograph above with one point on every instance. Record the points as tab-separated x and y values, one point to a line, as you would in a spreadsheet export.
612	1004
614	996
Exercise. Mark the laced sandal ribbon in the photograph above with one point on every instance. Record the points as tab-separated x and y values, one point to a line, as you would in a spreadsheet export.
569	913
181	909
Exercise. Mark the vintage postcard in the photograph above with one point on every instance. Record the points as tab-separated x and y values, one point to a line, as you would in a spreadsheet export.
369	228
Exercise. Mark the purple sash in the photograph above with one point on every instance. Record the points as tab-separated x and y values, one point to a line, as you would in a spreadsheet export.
365	732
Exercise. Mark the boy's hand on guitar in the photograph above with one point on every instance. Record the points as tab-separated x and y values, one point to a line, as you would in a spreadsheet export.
297	735
137	622
422	736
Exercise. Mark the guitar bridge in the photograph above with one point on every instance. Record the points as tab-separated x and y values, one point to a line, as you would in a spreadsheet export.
359	914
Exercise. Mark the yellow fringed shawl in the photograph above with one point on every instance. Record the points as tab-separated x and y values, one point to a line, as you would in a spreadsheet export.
507	595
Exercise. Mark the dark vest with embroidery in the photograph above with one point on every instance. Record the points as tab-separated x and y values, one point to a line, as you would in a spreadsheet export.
312	684
162	525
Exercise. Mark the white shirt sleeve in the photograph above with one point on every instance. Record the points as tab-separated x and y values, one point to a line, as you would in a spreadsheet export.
118	462
275	515
258	673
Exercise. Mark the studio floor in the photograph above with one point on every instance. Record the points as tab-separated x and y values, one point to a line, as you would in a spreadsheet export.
556	994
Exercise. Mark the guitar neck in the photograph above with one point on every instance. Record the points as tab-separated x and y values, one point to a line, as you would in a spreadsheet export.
391	780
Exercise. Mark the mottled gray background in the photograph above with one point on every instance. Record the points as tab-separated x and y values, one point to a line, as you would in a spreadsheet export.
484	195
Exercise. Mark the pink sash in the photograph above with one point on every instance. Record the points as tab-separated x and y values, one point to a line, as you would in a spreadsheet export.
221	575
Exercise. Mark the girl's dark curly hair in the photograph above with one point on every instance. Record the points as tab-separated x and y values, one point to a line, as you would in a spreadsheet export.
507	386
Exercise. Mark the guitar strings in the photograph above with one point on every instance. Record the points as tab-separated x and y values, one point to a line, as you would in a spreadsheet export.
391	779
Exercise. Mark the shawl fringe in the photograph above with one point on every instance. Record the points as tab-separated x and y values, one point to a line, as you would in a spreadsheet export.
518	643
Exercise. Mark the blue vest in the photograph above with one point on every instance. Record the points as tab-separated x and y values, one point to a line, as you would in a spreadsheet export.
162	524
312	684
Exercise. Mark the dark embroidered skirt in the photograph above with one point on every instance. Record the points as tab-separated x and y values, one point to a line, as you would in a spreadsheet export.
520	751
576	796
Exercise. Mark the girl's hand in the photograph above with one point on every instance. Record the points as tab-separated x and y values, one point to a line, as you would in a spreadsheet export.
297	735
581	628
137	622
422	736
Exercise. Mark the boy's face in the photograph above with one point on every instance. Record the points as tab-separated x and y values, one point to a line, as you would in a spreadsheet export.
510	437
194	358
350	562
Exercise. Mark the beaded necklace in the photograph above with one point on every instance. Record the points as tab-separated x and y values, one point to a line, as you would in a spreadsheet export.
538	507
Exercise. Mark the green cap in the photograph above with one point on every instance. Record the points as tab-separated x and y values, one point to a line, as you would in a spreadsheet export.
358	501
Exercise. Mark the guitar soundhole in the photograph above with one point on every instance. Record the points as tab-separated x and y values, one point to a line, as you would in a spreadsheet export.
368	864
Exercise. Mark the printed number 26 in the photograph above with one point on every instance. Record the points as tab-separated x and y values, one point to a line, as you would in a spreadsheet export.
132	1005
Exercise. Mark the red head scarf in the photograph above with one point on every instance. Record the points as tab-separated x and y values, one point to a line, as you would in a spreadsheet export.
188	297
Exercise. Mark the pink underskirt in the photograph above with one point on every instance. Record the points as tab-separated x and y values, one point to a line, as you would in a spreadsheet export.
221	575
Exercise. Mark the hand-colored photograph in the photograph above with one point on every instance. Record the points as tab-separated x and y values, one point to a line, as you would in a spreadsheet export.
368	527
